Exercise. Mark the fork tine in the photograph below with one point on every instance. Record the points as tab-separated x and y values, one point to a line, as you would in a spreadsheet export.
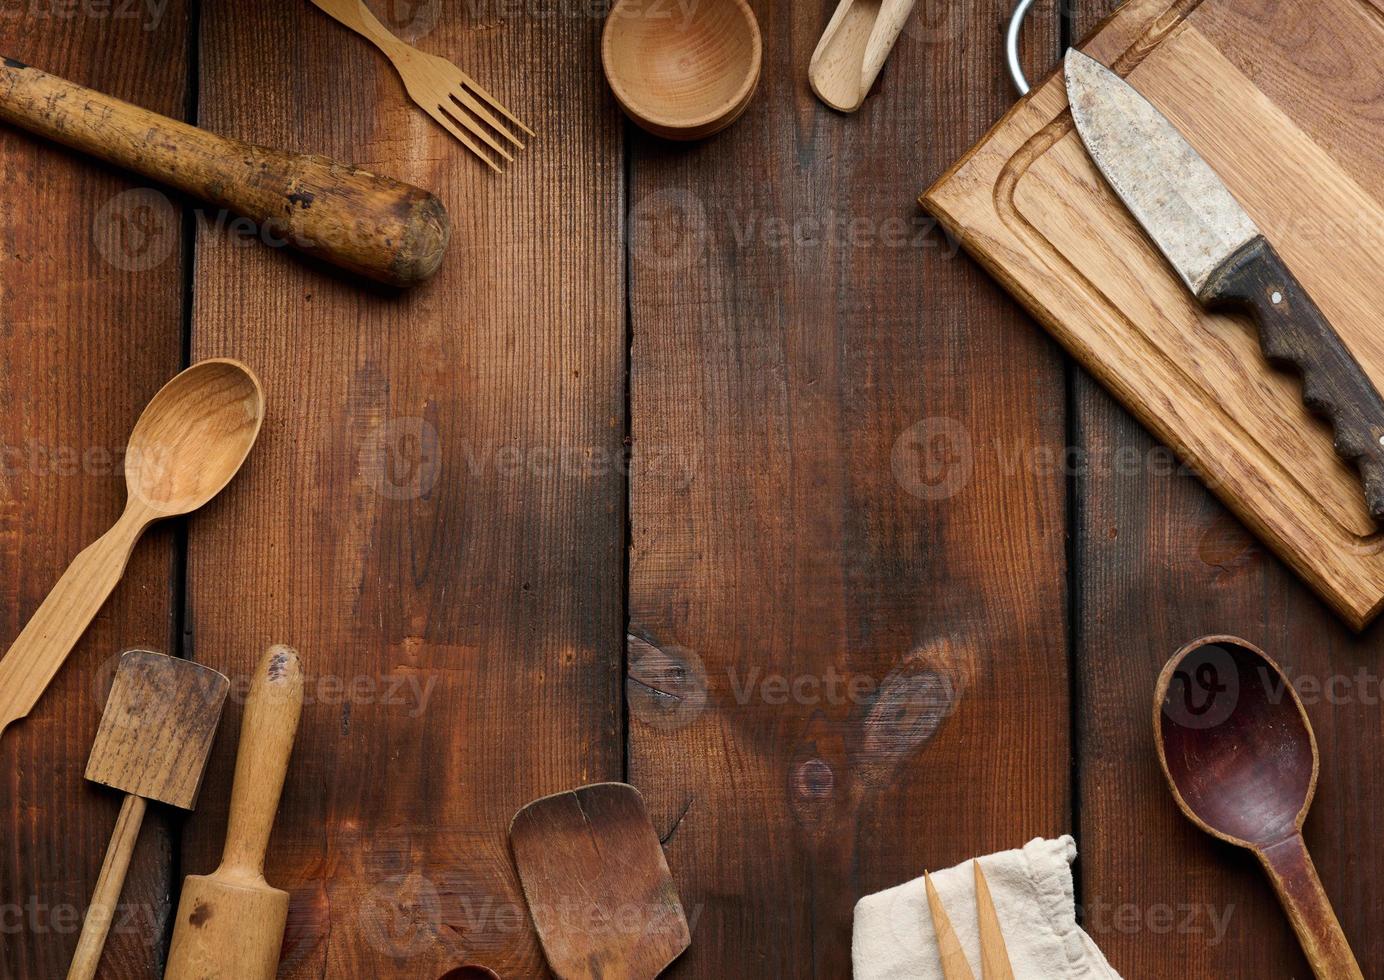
469	82
463	98
443	120
462	119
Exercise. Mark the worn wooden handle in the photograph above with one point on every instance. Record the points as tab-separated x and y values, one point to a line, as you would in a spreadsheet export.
1294	333
266	742
359	18
1295	879
59	622
379	227
109	884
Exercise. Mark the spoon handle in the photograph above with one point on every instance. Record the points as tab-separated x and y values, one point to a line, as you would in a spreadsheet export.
60	621
1300	890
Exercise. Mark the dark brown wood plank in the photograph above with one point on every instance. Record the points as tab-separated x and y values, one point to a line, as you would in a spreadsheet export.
91	270
848	658
1158	563
436	500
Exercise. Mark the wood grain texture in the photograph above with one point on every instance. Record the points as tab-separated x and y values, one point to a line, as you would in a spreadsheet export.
90	327
853	49
157	729
105	899
375	226
1294	334
446	93
846	583
1158	561
949	951
434	515
597	884
188	443
1032	203
230	924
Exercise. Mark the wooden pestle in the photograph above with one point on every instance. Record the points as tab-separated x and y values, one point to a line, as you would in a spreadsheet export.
379	227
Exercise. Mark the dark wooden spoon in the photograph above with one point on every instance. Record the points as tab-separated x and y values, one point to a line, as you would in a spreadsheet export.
1241	759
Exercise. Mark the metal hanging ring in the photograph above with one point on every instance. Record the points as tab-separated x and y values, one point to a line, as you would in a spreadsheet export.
1011	45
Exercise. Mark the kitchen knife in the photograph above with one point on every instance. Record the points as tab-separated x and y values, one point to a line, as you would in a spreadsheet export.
1224	259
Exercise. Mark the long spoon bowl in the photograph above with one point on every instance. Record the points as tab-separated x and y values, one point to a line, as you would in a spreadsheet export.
187	445
1240	757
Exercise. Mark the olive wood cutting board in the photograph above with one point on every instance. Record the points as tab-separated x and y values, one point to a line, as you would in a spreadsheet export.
1285	99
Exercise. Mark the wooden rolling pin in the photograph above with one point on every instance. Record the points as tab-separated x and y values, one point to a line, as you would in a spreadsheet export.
230	923
379	227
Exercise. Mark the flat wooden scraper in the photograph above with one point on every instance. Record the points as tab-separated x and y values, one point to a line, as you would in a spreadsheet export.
153	743
230	923
597	884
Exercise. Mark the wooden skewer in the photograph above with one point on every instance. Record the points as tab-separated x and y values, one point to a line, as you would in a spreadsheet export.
994	955
954	965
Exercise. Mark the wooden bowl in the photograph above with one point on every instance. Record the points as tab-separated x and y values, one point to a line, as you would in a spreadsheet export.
682	72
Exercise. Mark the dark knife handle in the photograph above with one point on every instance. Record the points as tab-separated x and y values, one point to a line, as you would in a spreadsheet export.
1294	333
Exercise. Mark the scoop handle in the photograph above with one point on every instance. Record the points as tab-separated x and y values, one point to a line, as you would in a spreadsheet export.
59	622
1304	899
376	226
266	742
97	924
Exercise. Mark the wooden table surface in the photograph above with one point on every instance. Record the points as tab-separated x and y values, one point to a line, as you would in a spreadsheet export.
713	468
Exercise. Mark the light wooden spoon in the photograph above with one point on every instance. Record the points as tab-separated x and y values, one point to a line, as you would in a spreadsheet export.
853	50
188	443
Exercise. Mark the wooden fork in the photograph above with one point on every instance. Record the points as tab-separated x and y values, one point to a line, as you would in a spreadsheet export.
440	88
994	956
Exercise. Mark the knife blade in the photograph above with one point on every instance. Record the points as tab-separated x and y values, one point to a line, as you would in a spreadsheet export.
1223	258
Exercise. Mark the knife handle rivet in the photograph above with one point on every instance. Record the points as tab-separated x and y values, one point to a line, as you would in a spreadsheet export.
1277	297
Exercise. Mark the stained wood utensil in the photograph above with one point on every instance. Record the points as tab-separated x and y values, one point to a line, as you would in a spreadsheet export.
994	955
153	743
682	72
853	49
953	957
1241	759
379	227
446	93
597	884
230	923
190	440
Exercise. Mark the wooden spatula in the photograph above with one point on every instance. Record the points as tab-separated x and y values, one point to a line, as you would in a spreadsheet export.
230	923
598	885
153	743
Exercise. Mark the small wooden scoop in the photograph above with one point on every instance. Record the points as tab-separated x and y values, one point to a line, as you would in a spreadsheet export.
597	884
853	49
153	743
230	924
1241	759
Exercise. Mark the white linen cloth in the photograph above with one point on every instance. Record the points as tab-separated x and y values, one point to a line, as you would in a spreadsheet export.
1032	891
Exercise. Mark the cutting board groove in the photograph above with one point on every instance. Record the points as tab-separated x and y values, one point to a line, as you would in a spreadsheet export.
1285	101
